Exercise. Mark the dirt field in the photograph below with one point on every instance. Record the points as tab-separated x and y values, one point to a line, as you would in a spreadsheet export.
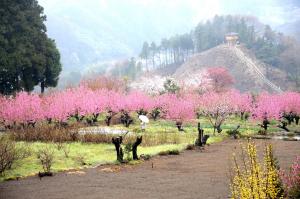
193	174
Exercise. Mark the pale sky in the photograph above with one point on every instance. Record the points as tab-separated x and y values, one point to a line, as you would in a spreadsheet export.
274	12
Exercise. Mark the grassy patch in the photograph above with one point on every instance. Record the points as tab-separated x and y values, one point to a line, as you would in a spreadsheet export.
93	154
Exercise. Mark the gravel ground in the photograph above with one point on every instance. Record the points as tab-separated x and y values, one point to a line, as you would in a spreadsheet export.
192	174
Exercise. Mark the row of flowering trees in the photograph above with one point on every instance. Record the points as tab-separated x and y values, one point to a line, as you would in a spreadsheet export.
83	103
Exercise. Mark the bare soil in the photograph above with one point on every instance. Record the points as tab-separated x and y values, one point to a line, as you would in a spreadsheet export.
192	174
246	77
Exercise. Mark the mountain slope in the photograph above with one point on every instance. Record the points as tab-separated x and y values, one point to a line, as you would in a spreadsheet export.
249	73
96	31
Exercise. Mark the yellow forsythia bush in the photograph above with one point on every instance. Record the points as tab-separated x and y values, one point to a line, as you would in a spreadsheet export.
254	179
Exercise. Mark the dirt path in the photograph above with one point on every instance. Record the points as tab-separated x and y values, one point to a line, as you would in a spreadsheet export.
193	174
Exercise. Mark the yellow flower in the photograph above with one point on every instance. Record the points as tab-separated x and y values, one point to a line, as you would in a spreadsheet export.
253	179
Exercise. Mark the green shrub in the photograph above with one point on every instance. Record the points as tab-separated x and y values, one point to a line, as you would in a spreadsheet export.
233	133
46	156
127	150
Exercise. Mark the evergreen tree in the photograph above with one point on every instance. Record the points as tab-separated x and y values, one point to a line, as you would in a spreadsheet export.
145	53
27	56
127	68
186	44
165	45
153	49
132	70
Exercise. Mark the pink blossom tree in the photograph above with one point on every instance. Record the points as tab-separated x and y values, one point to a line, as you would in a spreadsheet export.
139	102
22	109
6	112
267	107
59	106
157	107
91	103
113	104
221	80
178	109
290	106
216	107
291	180
241	102
86	104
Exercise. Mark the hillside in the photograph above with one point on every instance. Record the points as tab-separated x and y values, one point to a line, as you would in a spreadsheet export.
249	73
88	33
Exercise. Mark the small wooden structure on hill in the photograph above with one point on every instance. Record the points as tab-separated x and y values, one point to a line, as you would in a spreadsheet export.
232	38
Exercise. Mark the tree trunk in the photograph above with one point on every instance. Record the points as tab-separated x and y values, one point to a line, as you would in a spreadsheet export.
167	57
297	118
107	120
134	147
235	132
289	118
160	64
153	62
219	129
109	117
179	126
242	115
95	117
204	139
78	117
147	65
117	141
31	124
283	126
265	124
126	119
200	135
42	87
155	113
49	120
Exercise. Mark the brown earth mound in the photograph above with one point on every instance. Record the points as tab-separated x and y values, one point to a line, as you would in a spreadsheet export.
249	73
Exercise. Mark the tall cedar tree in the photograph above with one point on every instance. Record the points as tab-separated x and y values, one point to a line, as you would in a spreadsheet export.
27	56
